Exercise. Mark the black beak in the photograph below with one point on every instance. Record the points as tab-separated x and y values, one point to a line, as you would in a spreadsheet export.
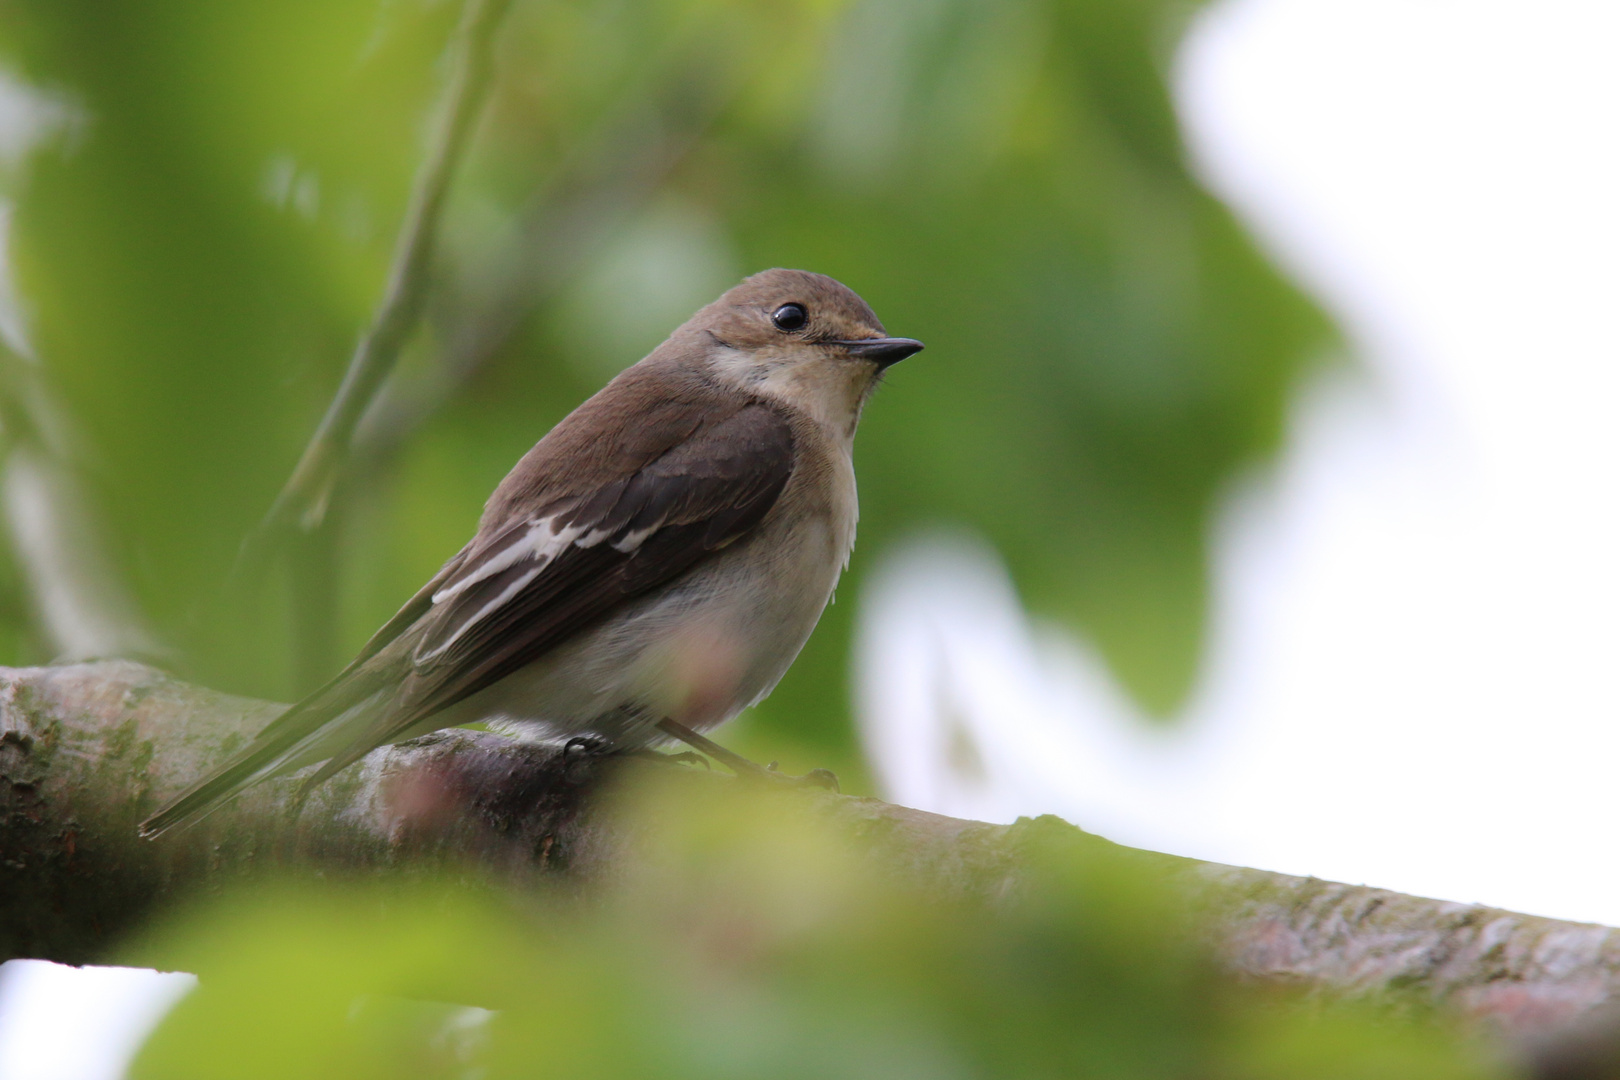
884	351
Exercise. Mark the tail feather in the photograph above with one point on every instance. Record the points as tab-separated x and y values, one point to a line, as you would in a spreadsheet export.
212	793
290	741
256	762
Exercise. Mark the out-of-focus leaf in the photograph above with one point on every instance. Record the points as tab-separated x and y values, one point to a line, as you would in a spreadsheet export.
750	943
195	256
1002	180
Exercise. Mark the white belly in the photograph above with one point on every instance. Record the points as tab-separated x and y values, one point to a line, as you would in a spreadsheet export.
699	651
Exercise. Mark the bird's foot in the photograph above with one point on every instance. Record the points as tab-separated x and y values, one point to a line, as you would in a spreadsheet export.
741	766
680	757
821	778
581	755
584	746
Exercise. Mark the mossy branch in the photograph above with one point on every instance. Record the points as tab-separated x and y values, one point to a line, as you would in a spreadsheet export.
87	751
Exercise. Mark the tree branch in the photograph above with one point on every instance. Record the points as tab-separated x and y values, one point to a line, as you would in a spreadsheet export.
561	224
87	751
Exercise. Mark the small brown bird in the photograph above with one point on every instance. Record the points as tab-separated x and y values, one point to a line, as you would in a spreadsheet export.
646	572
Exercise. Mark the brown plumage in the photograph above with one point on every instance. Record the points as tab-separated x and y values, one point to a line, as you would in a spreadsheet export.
663	550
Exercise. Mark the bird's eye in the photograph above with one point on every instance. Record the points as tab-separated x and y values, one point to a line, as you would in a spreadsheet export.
789	317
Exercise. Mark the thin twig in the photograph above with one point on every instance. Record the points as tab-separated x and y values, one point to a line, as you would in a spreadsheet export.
303	501
567	219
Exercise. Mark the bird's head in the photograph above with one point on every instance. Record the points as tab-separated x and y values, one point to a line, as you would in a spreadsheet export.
800	338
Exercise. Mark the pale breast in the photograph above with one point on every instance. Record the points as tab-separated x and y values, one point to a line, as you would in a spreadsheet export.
711	643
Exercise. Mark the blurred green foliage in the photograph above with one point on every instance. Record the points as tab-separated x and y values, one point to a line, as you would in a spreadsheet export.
198	241
750	944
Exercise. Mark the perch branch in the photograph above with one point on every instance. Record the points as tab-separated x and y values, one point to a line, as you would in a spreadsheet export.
86	751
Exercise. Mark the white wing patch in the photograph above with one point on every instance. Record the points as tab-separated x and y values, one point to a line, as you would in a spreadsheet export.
506	594
631	541
542	542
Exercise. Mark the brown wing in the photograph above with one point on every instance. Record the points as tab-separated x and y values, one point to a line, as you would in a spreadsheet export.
569	563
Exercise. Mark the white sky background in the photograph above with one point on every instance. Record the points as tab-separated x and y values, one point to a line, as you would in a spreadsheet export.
65	1023
1413	678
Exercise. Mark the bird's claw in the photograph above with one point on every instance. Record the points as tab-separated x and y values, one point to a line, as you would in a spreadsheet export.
678	757
741	766
582	746
821	778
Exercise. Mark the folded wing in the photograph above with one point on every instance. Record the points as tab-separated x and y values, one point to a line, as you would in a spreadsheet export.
573	560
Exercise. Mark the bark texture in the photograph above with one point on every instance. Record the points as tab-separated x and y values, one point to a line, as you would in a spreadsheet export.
87	751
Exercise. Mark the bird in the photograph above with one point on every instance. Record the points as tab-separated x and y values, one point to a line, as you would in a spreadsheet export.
649	569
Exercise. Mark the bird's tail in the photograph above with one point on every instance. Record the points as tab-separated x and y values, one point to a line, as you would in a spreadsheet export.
289	742
256	762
